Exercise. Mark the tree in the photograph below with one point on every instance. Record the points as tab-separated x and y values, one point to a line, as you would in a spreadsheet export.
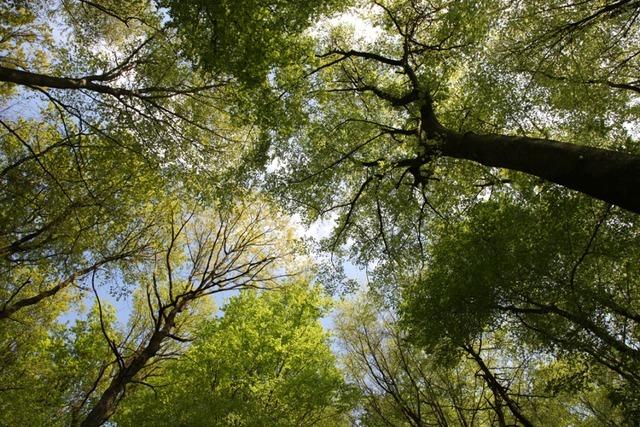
83	174
204	253
50	370
69	206
403	385
92	366
392	123
265	361
115	134
112	80
556	272
492	379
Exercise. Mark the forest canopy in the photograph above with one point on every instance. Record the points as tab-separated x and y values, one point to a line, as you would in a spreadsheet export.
283	212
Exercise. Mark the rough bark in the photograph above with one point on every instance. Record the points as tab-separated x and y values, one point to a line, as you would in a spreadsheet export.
608	175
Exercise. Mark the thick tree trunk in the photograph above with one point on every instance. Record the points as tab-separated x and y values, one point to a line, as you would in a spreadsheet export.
608	175
108	402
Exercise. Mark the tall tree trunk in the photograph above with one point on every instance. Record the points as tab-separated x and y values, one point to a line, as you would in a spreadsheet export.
611	176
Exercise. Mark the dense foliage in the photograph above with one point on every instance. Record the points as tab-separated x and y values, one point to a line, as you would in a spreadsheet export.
265	361
479	160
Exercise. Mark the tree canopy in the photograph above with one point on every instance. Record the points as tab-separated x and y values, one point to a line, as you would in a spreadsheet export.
163	162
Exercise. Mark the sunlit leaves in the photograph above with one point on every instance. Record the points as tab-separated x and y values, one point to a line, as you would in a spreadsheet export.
265	361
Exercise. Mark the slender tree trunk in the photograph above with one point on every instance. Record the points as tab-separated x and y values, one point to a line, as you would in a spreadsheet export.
108	402
608	175
497	388
26	78
10	308
498	410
